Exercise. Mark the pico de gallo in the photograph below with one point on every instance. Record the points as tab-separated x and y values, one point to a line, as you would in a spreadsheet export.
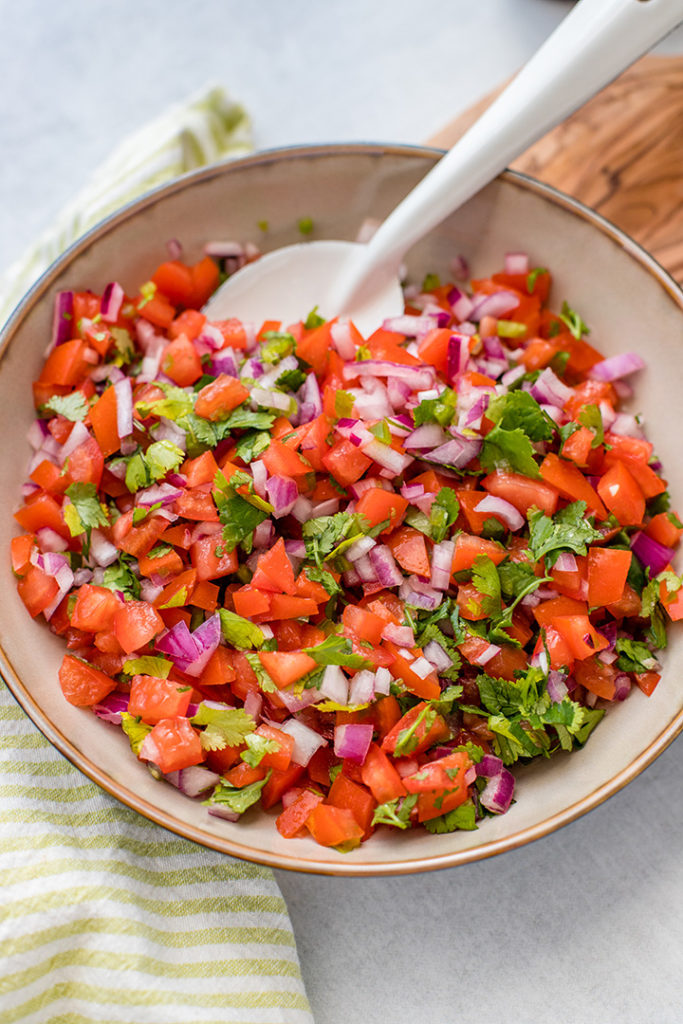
352	579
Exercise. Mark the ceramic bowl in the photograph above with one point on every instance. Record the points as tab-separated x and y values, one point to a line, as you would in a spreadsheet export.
626	298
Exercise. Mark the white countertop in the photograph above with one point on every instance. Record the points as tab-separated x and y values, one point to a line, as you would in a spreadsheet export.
585	925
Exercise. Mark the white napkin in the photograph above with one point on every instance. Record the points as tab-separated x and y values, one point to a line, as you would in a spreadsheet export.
104	916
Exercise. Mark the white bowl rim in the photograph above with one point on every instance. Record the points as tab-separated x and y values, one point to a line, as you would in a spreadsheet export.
228	845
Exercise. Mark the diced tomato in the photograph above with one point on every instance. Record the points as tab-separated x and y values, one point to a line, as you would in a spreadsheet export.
469	548
217	400
291	821
622	495
279	783
209	565
380	776
172	745
95	608
37	590
571	483
607	572
409	548
82	684
334	826
378	505
181	362
355	798
596	677
422	737
153	699
286	667
135	624
522	491
345	462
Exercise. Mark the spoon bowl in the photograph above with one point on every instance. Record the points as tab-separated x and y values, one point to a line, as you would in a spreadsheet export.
594	43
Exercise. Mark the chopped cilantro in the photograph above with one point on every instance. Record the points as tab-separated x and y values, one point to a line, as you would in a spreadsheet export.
243	418
532	277
257	748
148	665
237	799
262	677
343	404
508	449
395	812
85	510
252	445
443	513
573	321
135	729
568	530
313	320
336	650
73	407
462	818
439	410
431	282
520	409
510	329
276	345
224	727
240	632
634	656
120	577
291	380
305	225
591	417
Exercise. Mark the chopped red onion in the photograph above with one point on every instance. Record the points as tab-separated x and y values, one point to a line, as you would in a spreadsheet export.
516	263
417	377
326	508
386	456
63	327
362	687
352	741
496	305
360	548
429	435
458	355
557	686
409	326
422	668
282	494
335	685
616	366
342	339
297	702
260	477
442	561
402	636
650	553
489	766
224	250
622	686
306	740
112	300
384	565
437	657
365	569
457	452
193	781
566	562
79	435
109	709
460	268
382	681
271	399
489	652
460	303
264	534
501	509
397	392
512	375
416	598
50	540
497	795
626	425
548	388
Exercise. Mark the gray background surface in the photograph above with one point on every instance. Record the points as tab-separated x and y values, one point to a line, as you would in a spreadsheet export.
585	925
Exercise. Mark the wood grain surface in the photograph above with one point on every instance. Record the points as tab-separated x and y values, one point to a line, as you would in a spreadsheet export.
621	154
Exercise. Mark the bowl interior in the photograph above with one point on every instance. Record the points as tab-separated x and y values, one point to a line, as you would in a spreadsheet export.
626	299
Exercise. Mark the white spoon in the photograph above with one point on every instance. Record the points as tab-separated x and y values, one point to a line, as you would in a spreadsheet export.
594	43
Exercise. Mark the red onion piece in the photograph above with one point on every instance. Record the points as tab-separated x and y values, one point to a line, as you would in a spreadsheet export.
489	766
193	781
497	796
616	366
221	811
112	300
362	687
384	565
650	553
429	435
110	707
402	636
342	339
306	740
457	452
496	305
566	562
63	326
335	685
386	456
501	509
548	388
282	494
352	741
442	560
417	377
516	263
438	658
489	652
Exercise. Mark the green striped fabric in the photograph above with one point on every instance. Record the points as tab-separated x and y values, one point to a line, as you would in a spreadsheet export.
104	916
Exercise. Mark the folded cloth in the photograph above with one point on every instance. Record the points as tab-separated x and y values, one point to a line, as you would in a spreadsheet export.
105	916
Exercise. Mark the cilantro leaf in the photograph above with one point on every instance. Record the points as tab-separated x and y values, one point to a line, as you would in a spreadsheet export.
262	677
276	346
314	320
336	650
252	445
291	380
519	409
73	407
237	800
443	513
591	417
325	578
569	530
485	578
408	738
148	665
573	321
257	748
224	727
532	277
439	410
85	510
242	418
395	812
343	404
508	449
120	576
515	577
635	656
240	632
135	729
463	817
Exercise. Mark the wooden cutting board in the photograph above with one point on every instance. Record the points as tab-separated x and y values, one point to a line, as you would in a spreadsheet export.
621	154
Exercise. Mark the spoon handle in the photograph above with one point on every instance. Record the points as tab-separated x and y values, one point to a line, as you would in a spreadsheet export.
595	42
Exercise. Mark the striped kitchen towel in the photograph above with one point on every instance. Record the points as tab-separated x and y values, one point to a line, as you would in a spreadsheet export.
104	916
